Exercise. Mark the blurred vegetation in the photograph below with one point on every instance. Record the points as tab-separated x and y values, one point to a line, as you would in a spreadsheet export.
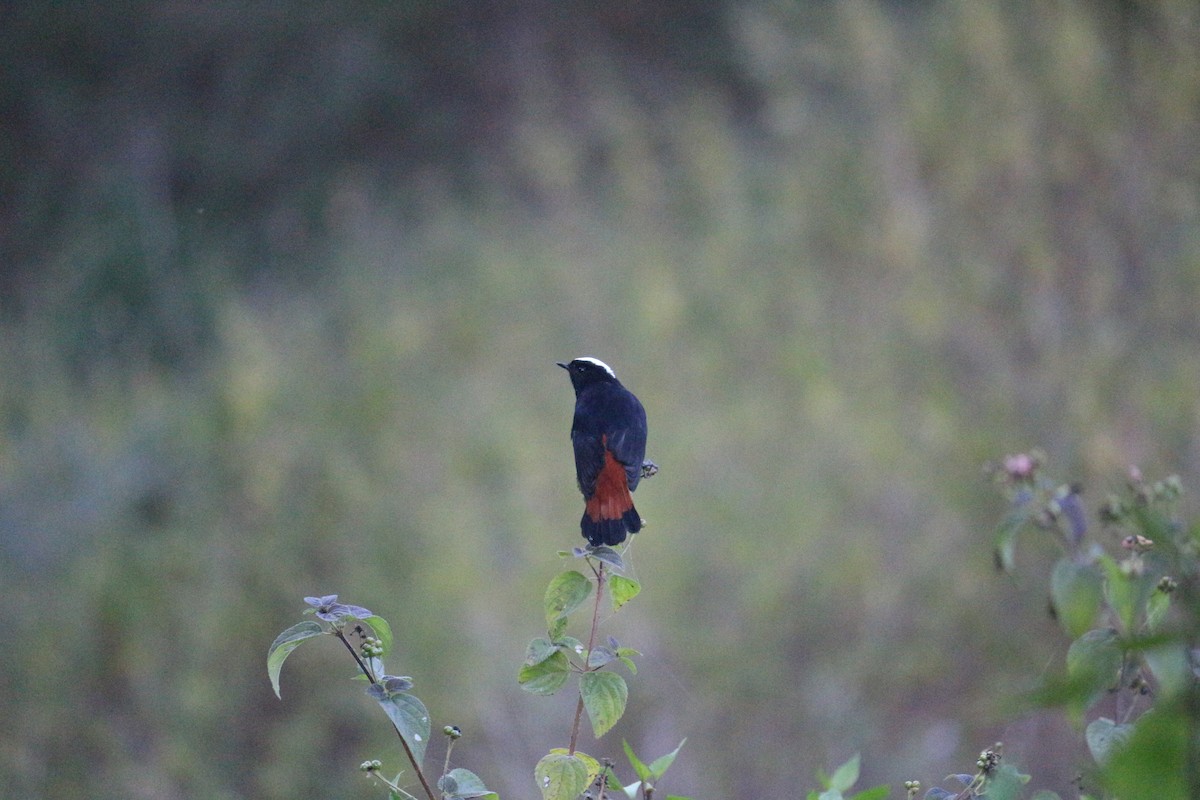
281	288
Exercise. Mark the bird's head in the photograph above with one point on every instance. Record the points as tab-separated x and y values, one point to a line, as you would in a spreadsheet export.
586	371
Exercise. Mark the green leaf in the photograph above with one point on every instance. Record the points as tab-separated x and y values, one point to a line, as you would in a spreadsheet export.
660	765
1157	606
1125	590
830	794
556	629
1072	694
464	782
1171	667
1102	735
383	632
1005	783
845	776
640	769
283	646
607	555
874	793
570	643
566	592
1076	591
1094	661
538	651
622	590
623	654
593	766
604	696
546	677
561	777
1154	763
408	714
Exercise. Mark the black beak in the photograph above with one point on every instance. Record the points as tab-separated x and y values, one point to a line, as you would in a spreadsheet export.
561	364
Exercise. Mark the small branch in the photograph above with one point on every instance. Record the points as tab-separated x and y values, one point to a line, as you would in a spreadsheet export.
600	581
391	786
412	759
575	726
591	643
446	764
358	659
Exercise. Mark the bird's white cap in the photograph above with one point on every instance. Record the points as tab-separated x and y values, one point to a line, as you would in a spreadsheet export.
598	363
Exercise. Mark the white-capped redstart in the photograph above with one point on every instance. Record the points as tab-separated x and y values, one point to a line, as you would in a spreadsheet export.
609	437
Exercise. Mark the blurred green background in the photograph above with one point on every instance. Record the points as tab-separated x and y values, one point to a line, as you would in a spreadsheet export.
281	289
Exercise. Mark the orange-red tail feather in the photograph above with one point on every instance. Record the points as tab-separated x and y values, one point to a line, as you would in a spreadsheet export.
609	513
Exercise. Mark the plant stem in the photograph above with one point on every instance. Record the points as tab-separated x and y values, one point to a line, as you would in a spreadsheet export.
358	659
391	786
446	764
590	644
412	759
416	767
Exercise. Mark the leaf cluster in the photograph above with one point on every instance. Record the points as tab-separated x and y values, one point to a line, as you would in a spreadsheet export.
1132	609
837	785
564	773
368	638
551	660
992	779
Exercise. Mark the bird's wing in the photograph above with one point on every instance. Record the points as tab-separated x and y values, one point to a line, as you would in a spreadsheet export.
628	443
589	460
626	440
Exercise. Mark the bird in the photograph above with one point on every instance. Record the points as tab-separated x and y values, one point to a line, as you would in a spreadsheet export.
608	434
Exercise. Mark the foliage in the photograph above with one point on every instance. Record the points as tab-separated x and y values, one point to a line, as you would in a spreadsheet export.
1135	622
1135	617
408	715
562	774
280	291
837	785
993	780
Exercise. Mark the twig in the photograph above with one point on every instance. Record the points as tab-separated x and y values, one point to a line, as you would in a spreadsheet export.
412	759
591	642
446	764
361	664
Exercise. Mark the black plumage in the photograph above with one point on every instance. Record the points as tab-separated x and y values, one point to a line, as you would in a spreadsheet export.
608	434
